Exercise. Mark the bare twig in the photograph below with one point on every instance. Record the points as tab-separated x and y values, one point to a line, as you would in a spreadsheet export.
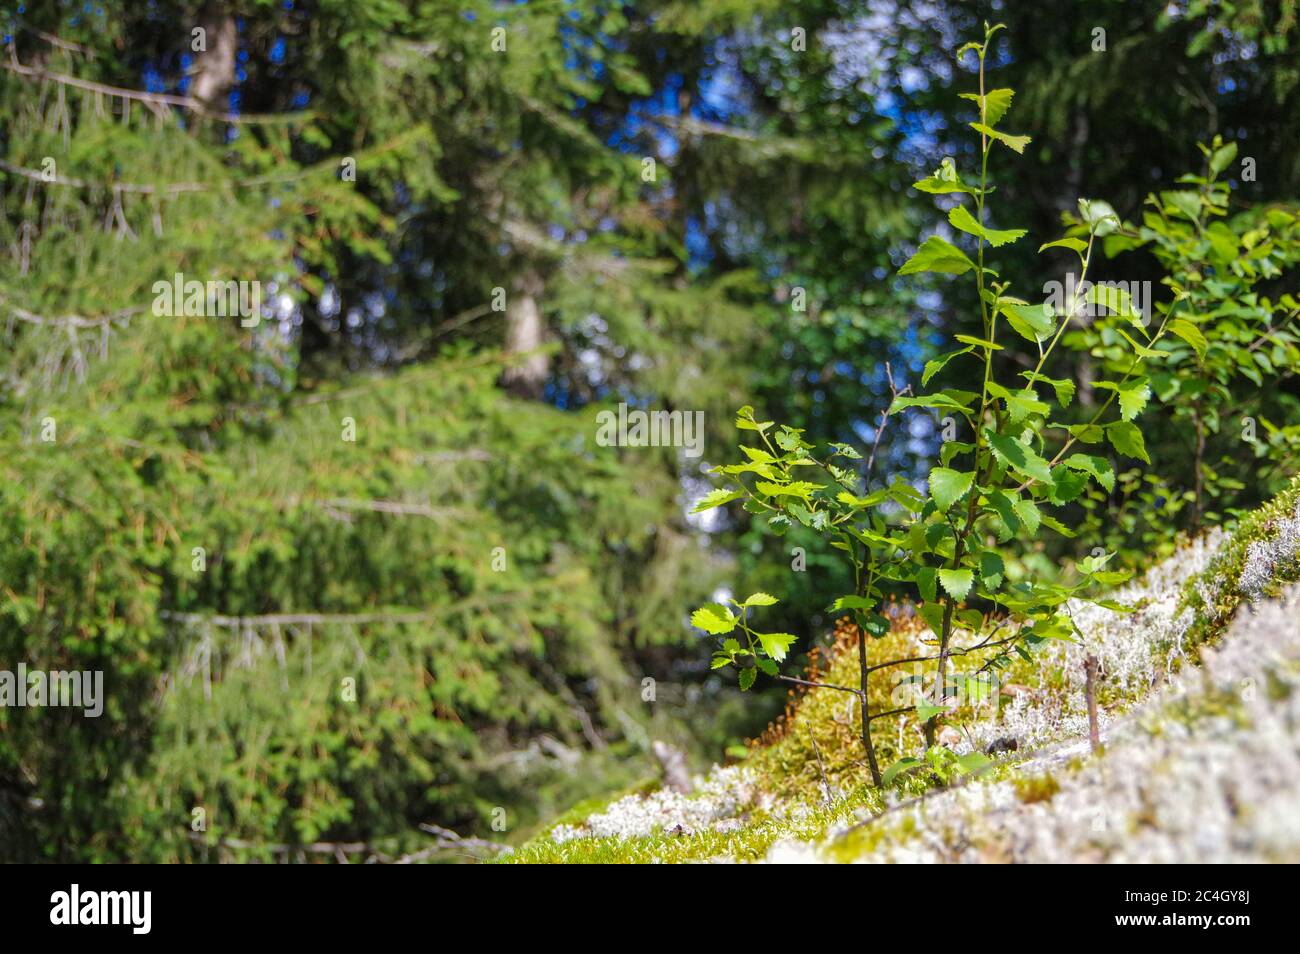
826	785
894	394
1090	689
819	685
880	715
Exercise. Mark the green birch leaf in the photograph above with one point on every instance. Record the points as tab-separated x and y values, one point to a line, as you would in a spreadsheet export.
926	579
959	218
1098	467
1125	437
716	498
993	104
956	583
1032	322
1191	334
776	645
1019	456
936	255
935	365
948	486
992	569
1017	143
1133	398
714	618
1074	244
902	765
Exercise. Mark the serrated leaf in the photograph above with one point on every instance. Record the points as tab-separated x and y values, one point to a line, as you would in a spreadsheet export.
959	218
1016	143
757	455
1063	387
1067	484
1113	298
948	486
745	420
1074	244
760	599
1133	398
1019	456
1029	515
992	570
1005	509
1185	201
1021	404
714	618
776	645
716	498
1087	433
1032	322
932	613
747	677
1191	334
1053	524
796	488
944	180
940	401
1142	351
926	579
956	583
1098	467
852	603
787	438
1125	437
936	255
935	365
994	104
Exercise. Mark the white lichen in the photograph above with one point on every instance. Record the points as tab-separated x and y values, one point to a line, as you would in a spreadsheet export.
716	802
1264	557
1136	651
1208	770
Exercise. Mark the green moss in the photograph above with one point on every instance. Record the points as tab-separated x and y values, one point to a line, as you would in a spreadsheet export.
750	842
1036	788
826	724
1220	581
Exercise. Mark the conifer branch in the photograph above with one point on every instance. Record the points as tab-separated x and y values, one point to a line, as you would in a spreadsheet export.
187	103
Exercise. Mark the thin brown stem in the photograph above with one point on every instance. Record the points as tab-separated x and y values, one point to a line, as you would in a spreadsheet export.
819	685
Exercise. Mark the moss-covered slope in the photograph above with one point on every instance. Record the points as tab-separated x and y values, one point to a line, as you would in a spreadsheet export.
1199	719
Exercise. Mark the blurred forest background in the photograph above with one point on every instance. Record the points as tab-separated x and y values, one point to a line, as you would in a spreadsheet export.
475	225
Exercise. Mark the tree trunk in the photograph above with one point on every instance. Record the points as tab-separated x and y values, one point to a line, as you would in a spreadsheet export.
525	333
215	72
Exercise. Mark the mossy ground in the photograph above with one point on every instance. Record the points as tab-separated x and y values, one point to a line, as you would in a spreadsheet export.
760	830
1216	595
815	745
